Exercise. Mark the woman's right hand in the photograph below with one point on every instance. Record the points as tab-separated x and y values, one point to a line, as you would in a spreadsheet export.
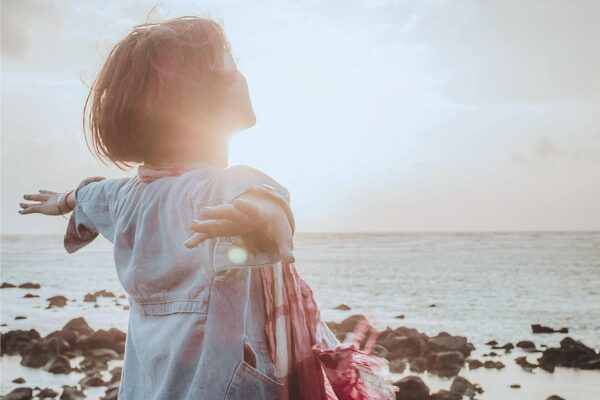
249	214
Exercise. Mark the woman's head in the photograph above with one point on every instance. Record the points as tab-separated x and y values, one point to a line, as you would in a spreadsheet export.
163	90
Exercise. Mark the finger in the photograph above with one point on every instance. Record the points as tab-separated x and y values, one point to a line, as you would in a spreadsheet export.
27	205
223	211
30	210
249	208
42	191
219	227
195	240
36	197
285	243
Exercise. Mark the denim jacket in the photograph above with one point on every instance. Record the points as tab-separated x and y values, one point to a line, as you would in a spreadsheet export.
196	325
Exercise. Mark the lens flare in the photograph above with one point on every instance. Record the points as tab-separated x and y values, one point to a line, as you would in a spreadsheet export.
237	255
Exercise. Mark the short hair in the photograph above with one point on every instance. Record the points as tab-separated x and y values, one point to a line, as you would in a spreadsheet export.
149	80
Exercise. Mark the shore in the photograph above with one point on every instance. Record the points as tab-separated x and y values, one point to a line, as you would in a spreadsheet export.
76	360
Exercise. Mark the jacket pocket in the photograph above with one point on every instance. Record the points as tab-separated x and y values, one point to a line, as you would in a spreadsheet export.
248	383
234	253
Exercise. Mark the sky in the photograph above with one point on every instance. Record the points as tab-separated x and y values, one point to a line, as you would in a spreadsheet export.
377	115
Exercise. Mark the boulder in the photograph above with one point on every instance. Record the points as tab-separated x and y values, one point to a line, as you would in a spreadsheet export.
47	393
412	388
13	342
22	393
57	301
71	393
526	365
92	380
571	353
29	285
445	364
343	307
445	395
19	380
6	285
397	365
526	345
463	387
58	365
418	365
537	328
442	343
474	364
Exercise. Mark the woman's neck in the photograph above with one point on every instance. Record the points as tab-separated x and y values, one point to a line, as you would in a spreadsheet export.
208	152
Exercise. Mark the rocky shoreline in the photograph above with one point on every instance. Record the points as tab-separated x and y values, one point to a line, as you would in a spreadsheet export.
443	355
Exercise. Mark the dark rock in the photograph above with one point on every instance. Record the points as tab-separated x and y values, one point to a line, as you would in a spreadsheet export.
405	346
463	387
537	328
515	386
47	393
116	374
380	351
20	317
13	342
78	325
343	307
432	306
6	285
89	298
92	380
474	364
36	356
491	354
347	325
19	380
492	343
71	393
397	365
111	393
29	285
399	316
571	353
443	343
445	364
554	397
526	345
30	296
57	301
58	365
445	395
412	388
507	347
418	365
22	393
526	365
490	364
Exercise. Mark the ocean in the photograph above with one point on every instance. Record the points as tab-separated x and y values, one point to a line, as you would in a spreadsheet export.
480	285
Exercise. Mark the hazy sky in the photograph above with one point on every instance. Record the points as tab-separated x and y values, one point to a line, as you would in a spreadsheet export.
376	115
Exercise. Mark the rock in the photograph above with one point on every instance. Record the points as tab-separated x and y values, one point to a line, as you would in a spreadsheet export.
515	386
116	374
343	307
492	343
47	393
397	365
92	380
6	285
111	393
445	342
20	317
36	356
58	365
18	380
522	361
399	316
13	342
474	364
526	345
126	307
412	388
507	347
537	328
89	298
445	395
554	397
78	325
30	296
29	285
71	393
571	353
463	387
445	364
57	301
418	365
490	364
405	346
22	393
432	306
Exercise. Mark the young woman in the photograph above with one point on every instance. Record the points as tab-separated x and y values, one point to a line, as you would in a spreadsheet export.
187	227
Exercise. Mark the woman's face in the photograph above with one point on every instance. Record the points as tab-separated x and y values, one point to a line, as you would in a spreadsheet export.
238	111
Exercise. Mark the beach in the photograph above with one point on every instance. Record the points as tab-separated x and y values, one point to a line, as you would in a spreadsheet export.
480	286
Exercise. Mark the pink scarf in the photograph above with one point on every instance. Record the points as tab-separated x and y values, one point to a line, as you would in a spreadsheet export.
308	358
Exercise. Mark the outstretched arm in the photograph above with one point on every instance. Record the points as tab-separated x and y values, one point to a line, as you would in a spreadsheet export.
48	203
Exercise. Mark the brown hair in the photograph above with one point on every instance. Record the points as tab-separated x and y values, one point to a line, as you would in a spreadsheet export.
149	82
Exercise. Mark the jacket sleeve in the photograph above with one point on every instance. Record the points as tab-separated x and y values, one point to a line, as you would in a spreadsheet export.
93	214
249	250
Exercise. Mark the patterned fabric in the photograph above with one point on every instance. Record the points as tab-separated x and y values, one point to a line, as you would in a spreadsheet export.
308	358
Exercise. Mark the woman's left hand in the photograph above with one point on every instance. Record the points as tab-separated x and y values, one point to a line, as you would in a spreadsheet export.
47	203
248	214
